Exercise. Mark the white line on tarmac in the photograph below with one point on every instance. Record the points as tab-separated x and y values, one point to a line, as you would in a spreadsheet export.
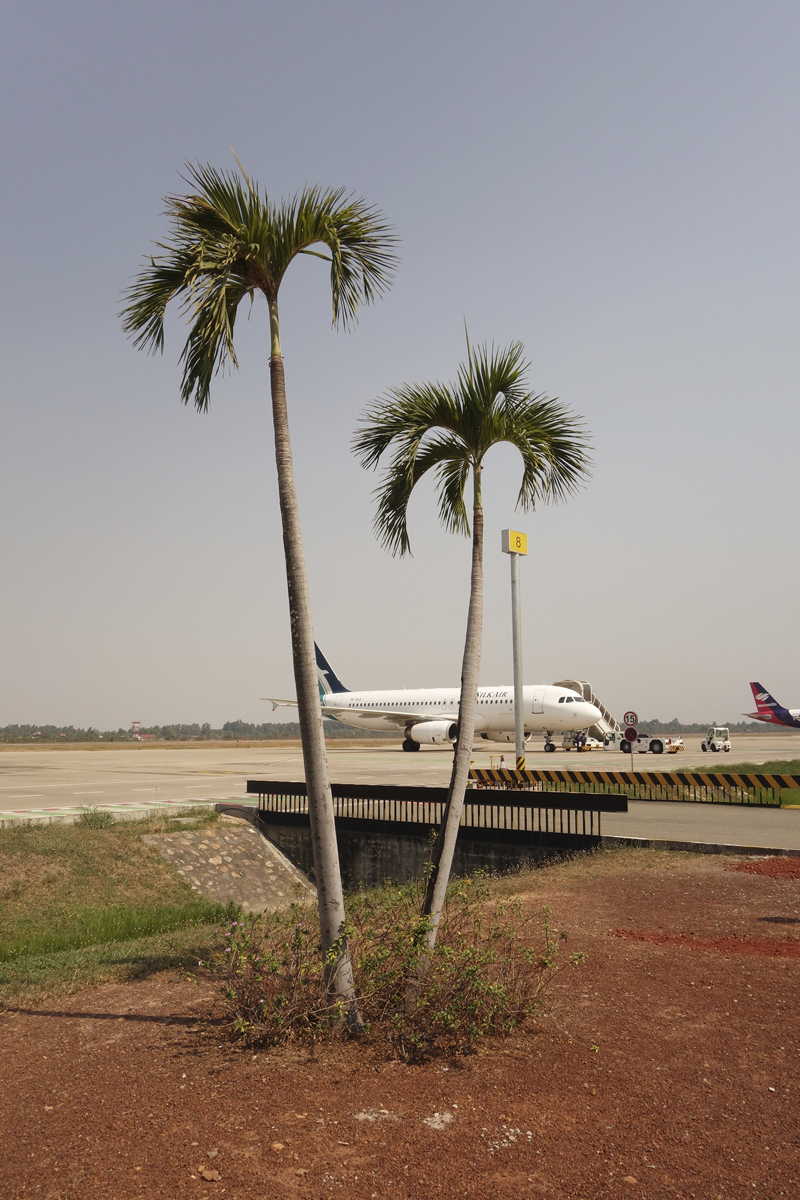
26	796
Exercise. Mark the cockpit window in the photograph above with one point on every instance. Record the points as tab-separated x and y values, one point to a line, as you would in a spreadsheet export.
561	699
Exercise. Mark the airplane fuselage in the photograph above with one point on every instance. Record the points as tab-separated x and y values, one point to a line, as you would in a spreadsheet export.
546	708
788	717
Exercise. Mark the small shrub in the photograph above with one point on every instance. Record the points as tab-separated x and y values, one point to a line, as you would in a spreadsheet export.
95	818
491	963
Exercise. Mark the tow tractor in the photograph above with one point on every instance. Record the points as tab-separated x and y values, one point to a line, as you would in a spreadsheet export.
716	739
654	743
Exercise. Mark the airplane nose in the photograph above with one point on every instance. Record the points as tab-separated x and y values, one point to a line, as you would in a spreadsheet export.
593	712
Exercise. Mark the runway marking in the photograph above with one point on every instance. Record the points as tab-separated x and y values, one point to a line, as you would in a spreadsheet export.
88	793
26	796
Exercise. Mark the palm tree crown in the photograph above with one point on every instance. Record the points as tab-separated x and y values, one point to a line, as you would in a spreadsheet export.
230	241
449	428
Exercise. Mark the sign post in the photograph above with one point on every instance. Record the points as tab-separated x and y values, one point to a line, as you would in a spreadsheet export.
631	720
515	545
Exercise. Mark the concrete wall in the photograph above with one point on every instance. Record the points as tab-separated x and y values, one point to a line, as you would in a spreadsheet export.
369	859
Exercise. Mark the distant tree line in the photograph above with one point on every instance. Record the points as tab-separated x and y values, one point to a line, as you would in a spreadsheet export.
231	731
60	733
676	726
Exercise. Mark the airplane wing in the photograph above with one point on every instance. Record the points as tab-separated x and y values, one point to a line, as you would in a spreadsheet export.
390	715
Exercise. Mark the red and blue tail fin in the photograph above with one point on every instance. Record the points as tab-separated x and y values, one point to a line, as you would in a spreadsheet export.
768	707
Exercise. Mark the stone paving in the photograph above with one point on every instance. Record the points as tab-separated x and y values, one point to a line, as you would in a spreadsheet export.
232	861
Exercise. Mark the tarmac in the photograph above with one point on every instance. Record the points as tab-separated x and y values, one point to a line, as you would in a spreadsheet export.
58	784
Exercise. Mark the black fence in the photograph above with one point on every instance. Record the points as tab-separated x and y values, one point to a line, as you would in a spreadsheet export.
487	810
694	786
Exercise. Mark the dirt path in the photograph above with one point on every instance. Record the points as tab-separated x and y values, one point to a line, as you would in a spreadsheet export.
664	1070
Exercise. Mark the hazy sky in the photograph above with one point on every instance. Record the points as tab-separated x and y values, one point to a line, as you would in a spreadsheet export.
615	184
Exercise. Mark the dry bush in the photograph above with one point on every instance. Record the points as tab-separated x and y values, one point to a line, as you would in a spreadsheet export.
491	964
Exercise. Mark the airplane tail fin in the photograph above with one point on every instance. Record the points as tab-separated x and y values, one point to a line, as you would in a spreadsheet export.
327	678
766	704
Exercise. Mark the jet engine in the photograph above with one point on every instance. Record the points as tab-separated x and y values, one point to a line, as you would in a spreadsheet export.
503	737
433	733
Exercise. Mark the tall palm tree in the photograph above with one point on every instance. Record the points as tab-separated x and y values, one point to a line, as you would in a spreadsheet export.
450	428
229	243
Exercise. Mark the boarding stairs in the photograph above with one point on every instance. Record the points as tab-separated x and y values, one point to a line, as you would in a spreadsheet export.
607	723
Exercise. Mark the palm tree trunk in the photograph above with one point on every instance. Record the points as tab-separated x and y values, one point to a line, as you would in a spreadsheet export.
445	844
338	970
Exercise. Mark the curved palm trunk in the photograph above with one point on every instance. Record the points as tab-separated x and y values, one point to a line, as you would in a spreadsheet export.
445	844
338	970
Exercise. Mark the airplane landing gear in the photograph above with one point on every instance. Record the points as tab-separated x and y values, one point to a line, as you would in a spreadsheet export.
549	746
409	745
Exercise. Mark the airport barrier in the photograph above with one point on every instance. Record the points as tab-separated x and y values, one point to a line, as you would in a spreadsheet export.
377	807
704	787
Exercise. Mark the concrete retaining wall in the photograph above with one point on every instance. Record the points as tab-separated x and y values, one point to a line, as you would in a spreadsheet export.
370	859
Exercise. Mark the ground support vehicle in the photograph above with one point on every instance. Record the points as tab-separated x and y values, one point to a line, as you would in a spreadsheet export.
580	741
655	743
590	738
716	740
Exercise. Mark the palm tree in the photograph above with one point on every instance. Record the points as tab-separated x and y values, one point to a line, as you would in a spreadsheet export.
229	242
450	428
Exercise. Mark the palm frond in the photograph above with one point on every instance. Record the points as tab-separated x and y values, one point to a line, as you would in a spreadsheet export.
403	416
554	449
228	240
362	246
147	299
451	477
452	427
409	463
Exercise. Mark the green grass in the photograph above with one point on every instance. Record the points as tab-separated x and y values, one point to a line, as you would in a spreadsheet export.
70	887
35	976
778	766
119	924
96	818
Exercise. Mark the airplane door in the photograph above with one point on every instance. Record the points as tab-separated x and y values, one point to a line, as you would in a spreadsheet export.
538	700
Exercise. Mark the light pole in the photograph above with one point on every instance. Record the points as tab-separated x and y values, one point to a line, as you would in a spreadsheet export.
515	544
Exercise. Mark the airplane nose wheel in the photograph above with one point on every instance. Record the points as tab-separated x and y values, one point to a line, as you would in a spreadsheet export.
549	746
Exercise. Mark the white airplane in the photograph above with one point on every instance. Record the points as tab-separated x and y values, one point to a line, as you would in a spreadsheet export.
429	716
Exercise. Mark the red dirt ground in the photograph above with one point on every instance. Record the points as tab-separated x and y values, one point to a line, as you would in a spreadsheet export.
661	1071
773	947
775	868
